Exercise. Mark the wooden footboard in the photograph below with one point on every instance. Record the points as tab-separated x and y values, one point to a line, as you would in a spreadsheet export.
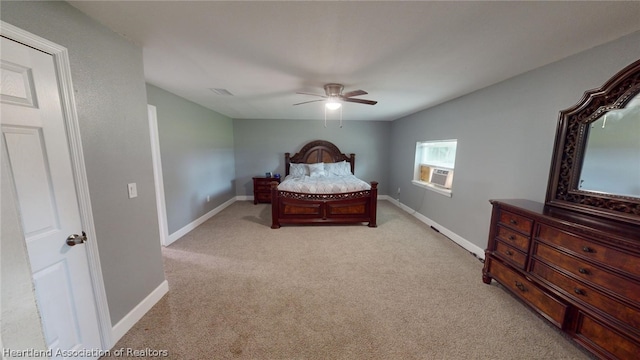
301	208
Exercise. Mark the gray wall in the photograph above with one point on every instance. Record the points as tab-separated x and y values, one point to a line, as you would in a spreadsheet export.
111	100
505	137
260	146
196	147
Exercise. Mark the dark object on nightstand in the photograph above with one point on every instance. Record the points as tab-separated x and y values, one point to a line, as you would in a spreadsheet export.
262	189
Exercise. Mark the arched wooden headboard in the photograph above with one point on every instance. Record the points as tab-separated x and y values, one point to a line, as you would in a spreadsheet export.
319	151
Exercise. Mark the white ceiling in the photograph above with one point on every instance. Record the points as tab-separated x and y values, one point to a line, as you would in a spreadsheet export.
407	55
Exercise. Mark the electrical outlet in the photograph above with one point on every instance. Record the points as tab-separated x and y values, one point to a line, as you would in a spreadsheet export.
208	198
133	190
398	191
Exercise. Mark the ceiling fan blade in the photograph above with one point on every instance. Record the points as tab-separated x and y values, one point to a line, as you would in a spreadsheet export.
306	93
360	101
354	93
306	102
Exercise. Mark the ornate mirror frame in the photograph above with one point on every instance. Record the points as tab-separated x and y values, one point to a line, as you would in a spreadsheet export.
569	150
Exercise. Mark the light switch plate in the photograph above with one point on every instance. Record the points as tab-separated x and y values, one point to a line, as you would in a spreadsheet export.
133	190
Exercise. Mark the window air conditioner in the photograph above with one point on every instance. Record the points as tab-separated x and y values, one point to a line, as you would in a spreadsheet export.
442	177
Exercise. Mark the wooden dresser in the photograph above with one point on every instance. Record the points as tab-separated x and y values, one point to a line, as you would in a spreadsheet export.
262	189
580	272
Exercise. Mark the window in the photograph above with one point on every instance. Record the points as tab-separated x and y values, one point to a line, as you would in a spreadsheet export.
434	165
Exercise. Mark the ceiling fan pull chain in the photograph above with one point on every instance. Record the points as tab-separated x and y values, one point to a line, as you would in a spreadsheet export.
340	116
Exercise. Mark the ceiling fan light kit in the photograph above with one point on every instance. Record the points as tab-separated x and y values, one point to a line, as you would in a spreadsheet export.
325	113
334	97
332	104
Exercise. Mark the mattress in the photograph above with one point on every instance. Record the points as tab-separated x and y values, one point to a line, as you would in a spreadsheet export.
323	184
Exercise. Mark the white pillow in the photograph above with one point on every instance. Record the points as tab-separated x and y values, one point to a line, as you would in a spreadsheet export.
316	170
338	169
298	170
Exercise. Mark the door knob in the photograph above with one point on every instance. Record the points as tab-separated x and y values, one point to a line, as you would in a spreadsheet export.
76	239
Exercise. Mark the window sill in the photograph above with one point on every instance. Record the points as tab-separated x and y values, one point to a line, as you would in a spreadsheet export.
439	190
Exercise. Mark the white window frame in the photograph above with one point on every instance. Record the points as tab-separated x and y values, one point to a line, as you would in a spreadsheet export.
422	160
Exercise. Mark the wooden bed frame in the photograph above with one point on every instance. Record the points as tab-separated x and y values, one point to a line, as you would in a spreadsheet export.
303	208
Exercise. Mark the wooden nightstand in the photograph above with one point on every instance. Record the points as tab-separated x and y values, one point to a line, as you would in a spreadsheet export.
262	189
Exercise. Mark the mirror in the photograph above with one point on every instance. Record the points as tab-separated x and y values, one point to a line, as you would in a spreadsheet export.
611	163
596	158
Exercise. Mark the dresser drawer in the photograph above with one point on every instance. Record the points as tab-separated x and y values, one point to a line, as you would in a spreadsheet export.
515	222
263	187
590	250
581	292
617	284
595	334
551	308
510	254
263	197
513	238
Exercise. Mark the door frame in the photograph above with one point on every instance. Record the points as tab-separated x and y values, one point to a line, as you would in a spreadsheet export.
157	174
63	69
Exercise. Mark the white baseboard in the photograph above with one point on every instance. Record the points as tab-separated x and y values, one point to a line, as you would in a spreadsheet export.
466	244
121	328
185	230
127	322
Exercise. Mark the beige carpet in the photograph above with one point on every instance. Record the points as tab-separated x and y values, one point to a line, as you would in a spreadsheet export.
239	289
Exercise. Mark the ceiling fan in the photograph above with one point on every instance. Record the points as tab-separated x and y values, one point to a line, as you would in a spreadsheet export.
334	95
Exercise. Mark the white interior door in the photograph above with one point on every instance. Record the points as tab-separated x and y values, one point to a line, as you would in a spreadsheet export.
36	150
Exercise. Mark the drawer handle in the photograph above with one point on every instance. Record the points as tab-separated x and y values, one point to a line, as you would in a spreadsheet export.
579	291
583	271
508	252
512	237
520	286
512	221
587	249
